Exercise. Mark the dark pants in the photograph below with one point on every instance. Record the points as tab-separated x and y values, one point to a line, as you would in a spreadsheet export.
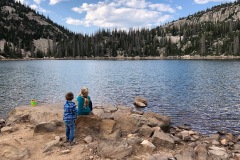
70	129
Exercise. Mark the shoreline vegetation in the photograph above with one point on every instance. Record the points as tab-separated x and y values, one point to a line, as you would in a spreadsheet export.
186	57
111	132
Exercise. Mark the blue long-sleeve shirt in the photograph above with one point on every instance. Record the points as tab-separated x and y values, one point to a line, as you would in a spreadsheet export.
81	109
70	111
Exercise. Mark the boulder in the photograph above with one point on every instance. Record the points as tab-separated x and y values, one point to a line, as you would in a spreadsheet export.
148	146
45	127
114	149
48	146
237	147
185	135
218	153
11	149
186	154
7	129
224	142
146	131
66	151
215	136
134	140
110	108
201	152
2	122
88	139
154	119
107	126
35	115
112	136
161	139
140	102
98	111
88	125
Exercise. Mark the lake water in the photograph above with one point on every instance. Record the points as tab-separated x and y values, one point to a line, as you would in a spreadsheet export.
202	93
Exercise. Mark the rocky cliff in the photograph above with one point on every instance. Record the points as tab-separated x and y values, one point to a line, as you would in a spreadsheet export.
111	132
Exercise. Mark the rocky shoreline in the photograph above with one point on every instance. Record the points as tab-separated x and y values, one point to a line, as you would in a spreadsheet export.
111	132
185	57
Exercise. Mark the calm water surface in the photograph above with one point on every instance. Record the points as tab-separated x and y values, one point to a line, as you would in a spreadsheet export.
205	94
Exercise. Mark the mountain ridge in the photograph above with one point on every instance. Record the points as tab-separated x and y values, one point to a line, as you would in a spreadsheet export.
213	32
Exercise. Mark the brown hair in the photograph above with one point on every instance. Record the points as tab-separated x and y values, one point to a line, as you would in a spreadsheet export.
84	94
69	96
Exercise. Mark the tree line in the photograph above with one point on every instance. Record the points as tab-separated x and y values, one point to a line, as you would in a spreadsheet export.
196	38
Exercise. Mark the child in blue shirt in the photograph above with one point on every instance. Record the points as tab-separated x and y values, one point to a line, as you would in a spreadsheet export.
69	117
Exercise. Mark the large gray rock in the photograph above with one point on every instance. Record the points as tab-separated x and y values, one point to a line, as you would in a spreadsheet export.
114	149
140	102
35	115
146	131
45	127
162	121
10	149
218	153
161	139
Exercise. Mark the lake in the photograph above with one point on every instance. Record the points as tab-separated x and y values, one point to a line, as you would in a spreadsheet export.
202	93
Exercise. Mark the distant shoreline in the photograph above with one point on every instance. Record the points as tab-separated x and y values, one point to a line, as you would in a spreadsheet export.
187	57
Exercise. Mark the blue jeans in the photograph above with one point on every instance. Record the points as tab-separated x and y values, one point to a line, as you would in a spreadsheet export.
70	129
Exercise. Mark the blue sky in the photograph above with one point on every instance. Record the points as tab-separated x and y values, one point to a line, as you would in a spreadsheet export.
87	16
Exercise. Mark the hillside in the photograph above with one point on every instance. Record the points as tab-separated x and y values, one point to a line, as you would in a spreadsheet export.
25	30
214	32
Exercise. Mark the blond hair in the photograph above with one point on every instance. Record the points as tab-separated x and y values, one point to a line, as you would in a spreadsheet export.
84	94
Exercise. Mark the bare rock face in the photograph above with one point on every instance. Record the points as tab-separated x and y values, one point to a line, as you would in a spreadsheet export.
11	149
140	102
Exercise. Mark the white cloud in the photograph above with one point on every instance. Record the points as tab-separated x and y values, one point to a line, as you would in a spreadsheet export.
72	21
122	14
38	8
53	2
179	7
207	1
162	7
38	1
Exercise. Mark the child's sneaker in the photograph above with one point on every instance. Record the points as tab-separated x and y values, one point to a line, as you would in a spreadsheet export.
72	143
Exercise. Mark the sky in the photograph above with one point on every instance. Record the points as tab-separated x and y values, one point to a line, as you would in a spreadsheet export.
88	16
